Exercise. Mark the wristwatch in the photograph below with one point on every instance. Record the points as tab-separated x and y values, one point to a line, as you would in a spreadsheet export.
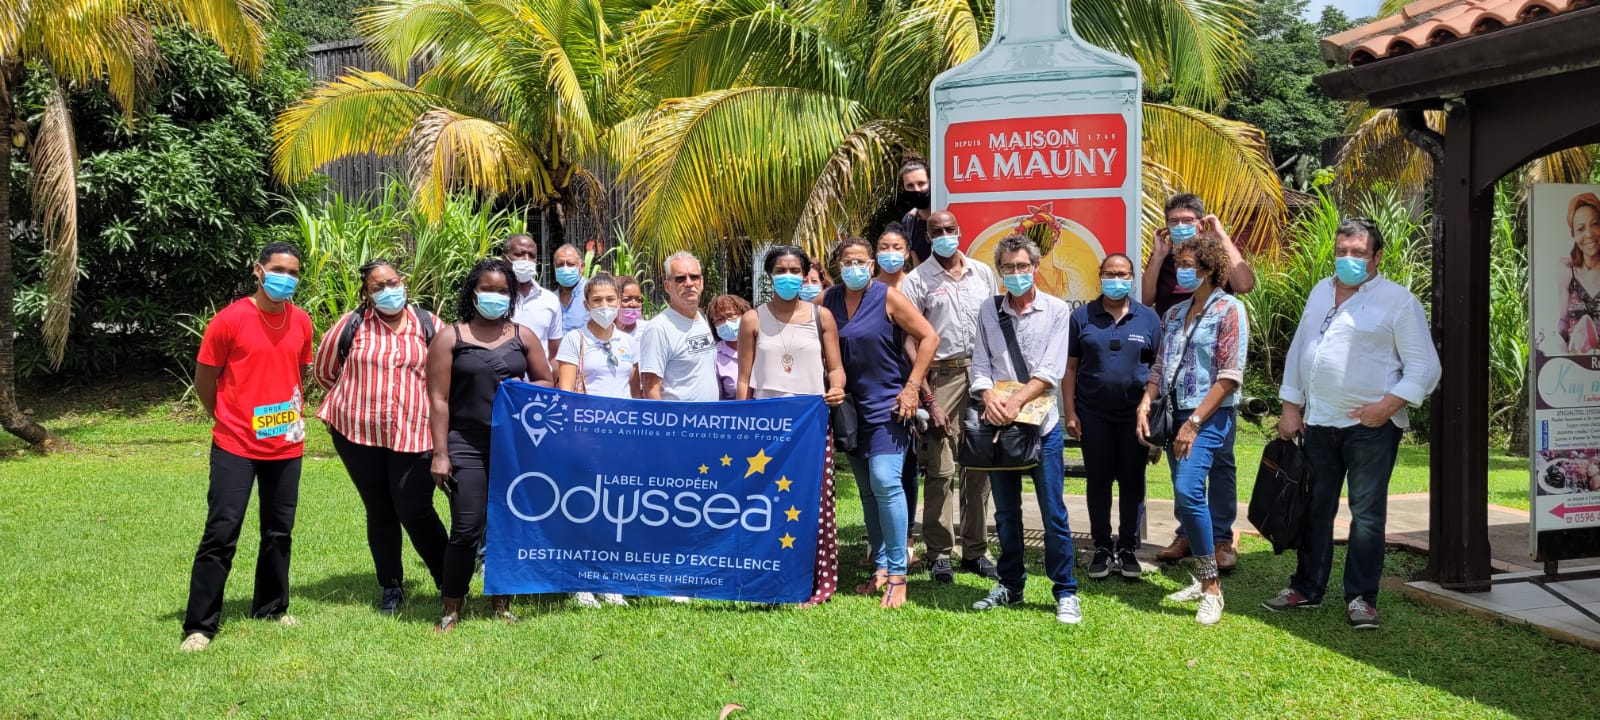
1195	421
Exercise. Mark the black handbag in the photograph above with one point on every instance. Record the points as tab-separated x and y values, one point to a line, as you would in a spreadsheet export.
1162	430
1280	504
845	422
1016	446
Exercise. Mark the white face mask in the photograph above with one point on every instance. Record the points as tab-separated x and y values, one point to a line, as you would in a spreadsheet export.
603	315
525	270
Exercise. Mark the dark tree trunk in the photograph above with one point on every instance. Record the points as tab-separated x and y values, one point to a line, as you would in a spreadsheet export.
11	417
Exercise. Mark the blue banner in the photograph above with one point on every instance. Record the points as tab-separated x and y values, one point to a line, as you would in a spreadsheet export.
641	497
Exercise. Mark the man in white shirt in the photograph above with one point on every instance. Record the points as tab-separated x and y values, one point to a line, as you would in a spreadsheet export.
534	307
948	291
1361	354
677	350
569	287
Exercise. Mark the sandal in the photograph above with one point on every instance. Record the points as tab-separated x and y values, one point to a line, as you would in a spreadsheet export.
889	597
452	615
502	610
876	584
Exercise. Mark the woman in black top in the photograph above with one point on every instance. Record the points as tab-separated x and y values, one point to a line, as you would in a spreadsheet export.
482	350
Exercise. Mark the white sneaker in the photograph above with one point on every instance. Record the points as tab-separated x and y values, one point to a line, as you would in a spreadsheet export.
1068	610
586	599
1210	612
680	599
1188	594
288	621
613	599
194	643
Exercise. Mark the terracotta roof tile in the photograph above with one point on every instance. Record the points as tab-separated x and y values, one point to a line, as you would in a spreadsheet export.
1428	23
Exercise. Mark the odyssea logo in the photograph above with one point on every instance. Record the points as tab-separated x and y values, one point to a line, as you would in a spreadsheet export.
542	416
535	496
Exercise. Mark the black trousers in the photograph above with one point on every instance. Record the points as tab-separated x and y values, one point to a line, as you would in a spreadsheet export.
1112	454
469	506
226	502
397	490
910	481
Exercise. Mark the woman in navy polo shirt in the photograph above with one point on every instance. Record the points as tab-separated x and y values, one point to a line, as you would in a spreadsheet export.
1113	341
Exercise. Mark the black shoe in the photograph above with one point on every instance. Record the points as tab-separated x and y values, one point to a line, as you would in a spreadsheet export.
982	565
392	597
1128	564
1100	566
942	572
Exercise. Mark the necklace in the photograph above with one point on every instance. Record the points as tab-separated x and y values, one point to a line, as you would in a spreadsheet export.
783	335
269	325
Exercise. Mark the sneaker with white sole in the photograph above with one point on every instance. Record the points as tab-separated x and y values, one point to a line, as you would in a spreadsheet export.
195	642
1128	564
1188	594
613	599
586	599
1210	612
1290	599
1100	565
1361	615
288	621
998	597
1068	610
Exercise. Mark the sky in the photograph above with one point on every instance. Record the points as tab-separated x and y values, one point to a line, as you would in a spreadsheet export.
1351	8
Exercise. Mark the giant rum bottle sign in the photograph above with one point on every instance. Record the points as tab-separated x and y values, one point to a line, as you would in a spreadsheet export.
1039	134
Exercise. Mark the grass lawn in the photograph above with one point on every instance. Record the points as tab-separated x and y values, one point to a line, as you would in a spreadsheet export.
95	547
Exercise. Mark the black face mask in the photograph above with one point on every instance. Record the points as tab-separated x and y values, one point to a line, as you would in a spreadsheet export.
917	199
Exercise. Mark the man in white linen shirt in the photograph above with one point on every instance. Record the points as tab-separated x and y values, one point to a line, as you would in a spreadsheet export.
1361	354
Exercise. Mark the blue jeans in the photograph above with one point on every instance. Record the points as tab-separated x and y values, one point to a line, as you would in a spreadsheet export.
1212	451
1222	495
1006	488
1366	457
883	502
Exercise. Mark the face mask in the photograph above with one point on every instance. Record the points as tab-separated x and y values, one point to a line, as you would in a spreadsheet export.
856	278
947	245
567	276
525	270
390	300
1183	232
1019	284
630	316
279	286
1115	288
787	286
1188	278
891	260
808	292
917	199
1352	271
493	305
729	331
603	315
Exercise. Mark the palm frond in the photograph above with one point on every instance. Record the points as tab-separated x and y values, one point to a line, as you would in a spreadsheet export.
1195	47
1377	152
862	166
363	112
1221	160
926	39
693	47
53	161
1572	165
447	150
237	26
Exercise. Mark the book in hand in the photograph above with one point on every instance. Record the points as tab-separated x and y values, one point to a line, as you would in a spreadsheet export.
1032	413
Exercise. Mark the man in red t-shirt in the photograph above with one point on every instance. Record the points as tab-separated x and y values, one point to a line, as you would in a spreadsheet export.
252	358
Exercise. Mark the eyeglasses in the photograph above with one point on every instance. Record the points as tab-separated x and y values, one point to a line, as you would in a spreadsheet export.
855	263
390	284
681	279
1327	321
1015	268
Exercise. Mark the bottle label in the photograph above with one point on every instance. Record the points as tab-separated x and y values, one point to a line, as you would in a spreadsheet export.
1060	152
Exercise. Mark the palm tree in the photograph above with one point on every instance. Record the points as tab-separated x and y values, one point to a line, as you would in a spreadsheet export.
785	119
511	94
64	45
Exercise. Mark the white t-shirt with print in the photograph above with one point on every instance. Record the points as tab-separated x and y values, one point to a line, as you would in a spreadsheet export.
682	352
601	376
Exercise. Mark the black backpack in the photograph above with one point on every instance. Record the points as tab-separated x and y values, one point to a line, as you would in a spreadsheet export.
1280	504
347	337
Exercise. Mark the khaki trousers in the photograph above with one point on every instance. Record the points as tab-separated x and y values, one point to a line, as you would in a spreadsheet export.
947	495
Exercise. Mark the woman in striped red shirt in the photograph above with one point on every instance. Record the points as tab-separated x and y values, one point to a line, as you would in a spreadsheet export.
377	412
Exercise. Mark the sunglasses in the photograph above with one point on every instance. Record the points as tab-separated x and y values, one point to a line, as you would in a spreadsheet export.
1327	321
681	279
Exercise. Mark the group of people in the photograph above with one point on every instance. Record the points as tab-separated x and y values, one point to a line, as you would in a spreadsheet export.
916	337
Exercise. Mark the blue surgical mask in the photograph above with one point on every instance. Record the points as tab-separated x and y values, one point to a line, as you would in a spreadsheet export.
729	331
390	300
810	291
787	286
1019	284
856	278
1180	233
891	260
567	276
1115	288
947	245
1188	278
1352	271
493	305
279	286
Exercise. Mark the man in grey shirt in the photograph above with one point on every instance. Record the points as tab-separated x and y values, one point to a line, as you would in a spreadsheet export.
948	291
677	351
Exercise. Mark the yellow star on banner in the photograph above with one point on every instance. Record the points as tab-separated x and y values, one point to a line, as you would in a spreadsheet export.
783	483
726	461
787	540
703	469
758	463
793	513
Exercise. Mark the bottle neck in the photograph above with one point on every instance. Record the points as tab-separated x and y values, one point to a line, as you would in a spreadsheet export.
1032	20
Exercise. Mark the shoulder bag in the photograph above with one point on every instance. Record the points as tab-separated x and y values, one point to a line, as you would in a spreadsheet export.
1015	446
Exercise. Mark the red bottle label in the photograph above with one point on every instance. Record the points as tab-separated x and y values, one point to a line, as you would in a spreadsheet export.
1060	152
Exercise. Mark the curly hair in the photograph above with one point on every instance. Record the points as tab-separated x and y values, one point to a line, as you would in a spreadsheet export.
466	304
1209	254
724	303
